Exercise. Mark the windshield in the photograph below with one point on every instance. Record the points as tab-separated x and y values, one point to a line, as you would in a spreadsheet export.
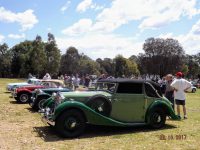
109	87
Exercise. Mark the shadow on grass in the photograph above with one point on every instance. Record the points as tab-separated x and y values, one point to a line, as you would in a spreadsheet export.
48	134
14	102
7	92
30	109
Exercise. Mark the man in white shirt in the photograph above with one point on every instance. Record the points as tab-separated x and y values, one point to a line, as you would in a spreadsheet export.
180	86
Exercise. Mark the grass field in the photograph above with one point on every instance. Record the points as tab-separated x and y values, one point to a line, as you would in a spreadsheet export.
21	128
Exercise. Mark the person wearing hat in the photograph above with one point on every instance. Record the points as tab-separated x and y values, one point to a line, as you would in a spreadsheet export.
180	86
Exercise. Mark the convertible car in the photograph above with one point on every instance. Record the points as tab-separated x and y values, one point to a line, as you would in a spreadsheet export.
116	102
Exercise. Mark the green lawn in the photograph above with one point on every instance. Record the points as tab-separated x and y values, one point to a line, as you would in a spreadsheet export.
23	129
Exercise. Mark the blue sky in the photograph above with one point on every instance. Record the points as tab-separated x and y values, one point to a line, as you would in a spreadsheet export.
102	28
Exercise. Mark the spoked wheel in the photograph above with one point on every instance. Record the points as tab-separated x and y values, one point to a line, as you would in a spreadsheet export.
100	105
23	98
40	104
71	123
157	118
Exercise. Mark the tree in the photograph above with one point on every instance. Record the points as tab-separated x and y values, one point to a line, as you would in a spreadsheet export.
124	67
20	65
88	66
106	65
162	56
193	65
53	55
70	61
5	60
38	58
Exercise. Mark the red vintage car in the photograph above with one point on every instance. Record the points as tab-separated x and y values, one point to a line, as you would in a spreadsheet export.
23	94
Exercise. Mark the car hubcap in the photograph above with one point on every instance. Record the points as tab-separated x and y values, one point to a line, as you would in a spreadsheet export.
157	118
24	98
71	123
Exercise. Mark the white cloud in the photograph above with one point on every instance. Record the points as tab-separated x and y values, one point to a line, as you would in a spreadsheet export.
17	36
196	28
96	7
189	41
153	13
84	5
26	19
49	29
82	26
65	6
1	38
101	45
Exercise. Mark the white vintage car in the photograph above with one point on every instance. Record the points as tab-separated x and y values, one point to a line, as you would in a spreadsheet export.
193	89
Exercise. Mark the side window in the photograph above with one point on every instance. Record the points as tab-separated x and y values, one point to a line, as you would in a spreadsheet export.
46	84
150	91
130	88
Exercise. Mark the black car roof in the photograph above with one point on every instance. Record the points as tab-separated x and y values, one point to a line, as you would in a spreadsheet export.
124	80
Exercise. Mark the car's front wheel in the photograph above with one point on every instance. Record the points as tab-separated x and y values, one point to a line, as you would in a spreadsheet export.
23	98
71	123
157	118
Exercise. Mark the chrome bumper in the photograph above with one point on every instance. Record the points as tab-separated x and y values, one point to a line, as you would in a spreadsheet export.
14	94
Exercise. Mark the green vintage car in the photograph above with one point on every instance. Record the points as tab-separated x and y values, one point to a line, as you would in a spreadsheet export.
116	102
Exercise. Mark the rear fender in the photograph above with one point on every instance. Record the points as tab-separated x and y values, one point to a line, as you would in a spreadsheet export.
165	106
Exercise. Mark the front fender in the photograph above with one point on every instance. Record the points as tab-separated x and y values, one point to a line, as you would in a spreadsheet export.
92	117
44	94
161	104
24	91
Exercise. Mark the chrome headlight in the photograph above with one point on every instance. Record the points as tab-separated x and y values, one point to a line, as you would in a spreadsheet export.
53	94
38	91
59	97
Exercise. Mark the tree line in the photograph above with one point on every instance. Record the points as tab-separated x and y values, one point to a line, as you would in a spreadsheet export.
160	57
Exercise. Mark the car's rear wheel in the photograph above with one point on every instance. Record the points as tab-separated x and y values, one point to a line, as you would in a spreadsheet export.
71	123
157	118
100	105
23	98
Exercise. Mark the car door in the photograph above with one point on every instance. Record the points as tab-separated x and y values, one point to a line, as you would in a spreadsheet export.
128	103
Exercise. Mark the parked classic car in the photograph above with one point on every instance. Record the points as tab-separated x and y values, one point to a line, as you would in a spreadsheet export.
116	102
193	89
23	94
40	95
32	81
196	83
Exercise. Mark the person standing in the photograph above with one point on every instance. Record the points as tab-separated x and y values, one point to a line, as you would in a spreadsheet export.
76	82
169	91
180	86
87	81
